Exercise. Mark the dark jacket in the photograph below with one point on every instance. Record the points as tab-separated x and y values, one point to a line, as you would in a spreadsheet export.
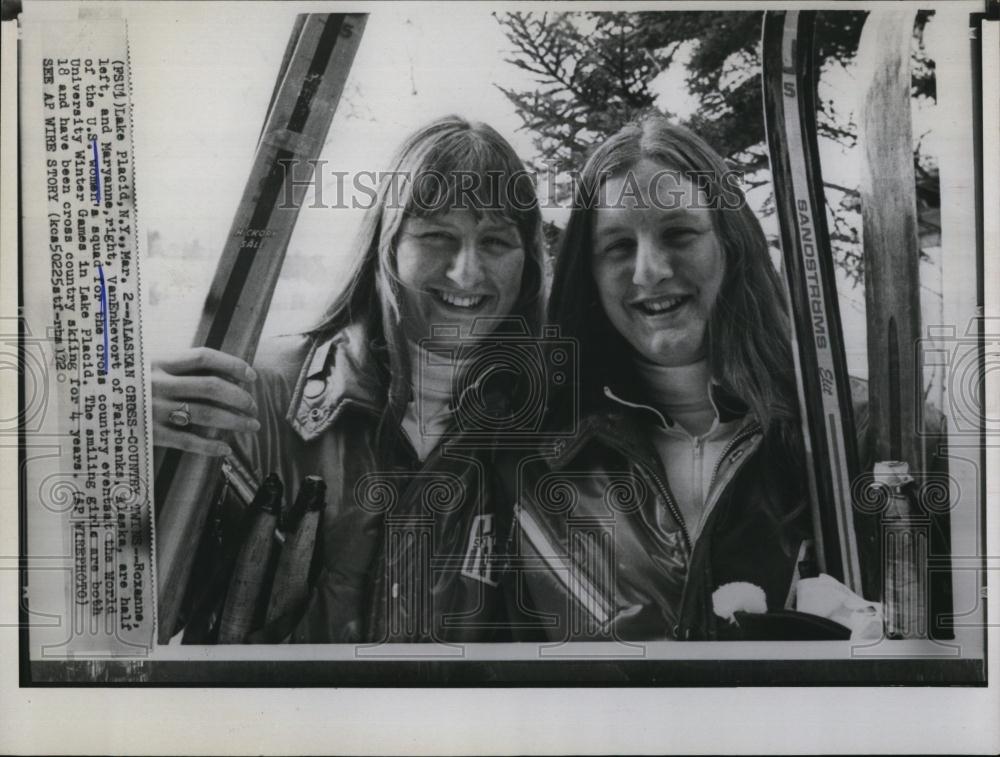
602	546
404	549
603	552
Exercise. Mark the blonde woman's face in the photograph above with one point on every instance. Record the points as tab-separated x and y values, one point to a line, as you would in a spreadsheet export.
455	268
657	263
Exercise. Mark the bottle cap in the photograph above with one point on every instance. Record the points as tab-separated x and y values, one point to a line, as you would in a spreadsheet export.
892	473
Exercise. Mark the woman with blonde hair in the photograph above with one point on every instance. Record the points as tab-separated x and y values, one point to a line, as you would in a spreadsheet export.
367	398
685	472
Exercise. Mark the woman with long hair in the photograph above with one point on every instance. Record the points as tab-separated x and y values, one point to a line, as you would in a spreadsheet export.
685	470
449	257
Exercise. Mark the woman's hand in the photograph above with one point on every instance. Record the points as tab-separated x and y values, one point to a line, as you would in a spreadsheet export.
206	383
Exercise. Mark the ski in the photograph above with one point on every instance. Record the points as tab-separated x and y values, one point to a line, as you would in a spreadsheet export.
789	84
891	247
912	536
311	80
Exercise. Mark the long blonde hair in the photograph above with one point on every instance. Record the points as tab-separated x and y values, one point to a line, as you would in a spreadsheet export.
749	346
431	163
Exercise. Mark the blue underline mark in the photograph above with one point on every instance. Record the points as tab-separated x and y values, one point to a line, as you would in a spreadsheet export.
104	320
97	172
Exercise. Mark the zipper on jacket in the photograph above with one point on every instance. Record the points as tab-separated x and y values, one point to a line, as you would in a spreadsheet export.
672	507
665	490
660	483
739	438
676	513
665	493
698	467
746	433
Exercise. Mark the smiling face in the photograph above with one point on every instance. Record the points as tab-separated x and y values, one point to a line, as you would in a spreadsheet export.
657	263
455	267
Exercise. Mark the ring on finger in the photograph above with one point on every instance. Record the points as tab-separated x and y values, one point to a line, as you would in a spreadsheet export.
180	416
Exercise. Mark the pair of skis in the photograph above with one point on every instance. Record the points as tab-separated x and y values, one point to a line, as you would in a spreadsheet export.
854	542
311	80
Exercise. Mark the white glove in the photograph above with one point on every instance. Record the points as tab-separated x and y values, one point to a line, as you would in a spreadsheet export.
829	598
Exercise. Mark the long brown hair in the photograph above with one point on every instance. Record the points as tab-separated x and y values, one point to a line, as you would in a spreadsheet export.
749	348
424	178
749	344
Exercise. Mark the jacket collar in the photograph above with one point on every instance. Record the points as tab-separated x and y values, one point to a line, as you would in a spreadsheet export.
614	423
338	372
728	407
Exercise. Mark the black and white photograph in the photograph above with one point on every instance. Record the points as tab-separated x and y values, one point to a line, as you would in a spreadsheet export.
510	350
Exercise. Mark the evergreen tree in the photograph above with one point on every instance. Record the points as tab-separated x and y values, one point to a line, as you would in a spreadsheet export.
595	72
